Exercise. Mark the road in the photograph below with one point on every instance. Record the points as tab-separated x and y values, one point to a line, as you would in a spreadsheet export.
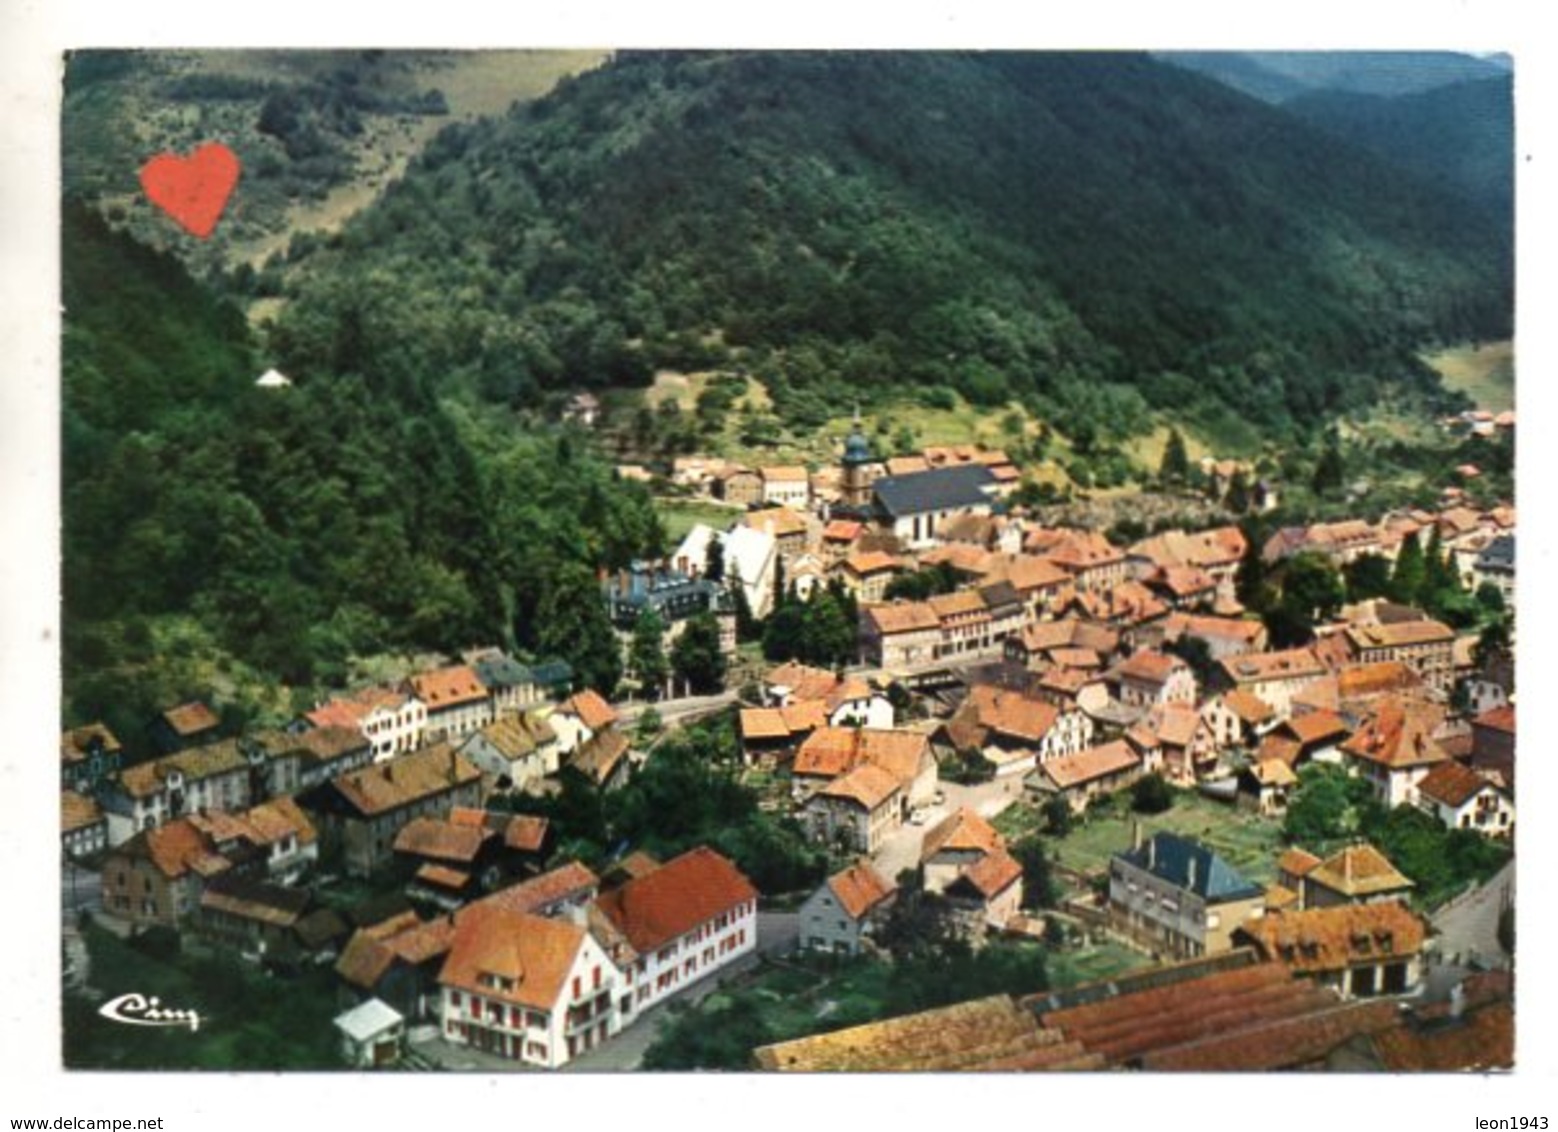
675	711
1467	927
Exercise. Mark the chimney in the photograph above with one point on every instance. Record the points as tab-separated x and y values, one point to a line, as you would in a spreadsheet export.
1135	834
1191	882
1152	853
389	772
1458	1000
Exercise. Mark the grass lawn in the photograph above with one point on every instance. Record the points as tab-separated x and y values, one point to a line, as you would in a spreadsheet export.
682	515
1249	843
1484	373
1073	966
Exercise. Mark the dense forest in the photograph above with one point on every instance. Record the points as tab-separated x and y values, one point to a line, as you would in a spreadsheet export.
297	527
1055	228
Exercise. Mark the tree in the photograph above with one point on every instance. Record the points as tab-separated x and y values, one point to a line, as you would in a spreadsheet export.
1490	599
1327	807
1039	889
1238	500
646	653
1058	816
1329	470
1175	468
1195	652
1312	587
696	656
572	624
1411	573
1150	794
1367	576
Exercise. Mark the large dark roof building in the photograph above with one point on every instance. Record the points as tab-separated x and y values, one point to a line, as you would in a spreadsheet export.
940	489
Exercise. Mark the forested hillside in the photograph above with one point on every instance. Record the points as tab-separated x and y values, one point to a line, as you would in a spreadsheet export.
290	529
1460	136
1012	225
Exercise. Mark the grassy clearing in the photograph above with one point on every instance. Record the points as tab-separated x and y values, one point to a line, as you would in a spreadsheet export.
1075	966
1485	373
1147	451
680	516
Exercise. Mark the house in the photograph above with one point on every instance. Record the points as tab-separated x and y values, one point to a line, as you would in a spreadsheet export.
844	912
752	561
1357	950
773	732
684	921
185	726
580	718
449	862
458	703
1223	636
1493	743
1177	896
360	813
1237	718
1313	736
1067	643
392	720
523	987
1463	799
856	810
1495	565
512	685
1095	564
1218	552
738	485
1275	677
986	894
912	506
1012	730
1148	678
785	486
866	573
1183	587
899	635
276	833
1355	874
155	878
217	776
787	528
372	1034
1264	786
397	957
89	757
83	826
1394	750
839	539
252	916
830	752
604	760
964	621
1074	687
308	758
514	751
673	595
566	891
1424	646
959	840
1174	736
583	409
1038	581
1083	776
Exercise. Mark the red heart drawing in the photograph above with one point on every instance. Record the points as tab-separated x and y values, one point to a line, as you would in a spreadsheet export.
192	190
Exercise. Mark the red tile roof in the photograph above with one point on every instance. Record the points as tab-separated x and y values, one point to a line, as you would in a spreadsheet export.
963	831
408	779
1452	784
1498	719
1150	667
869	786
191	718
1359	870
1087	765
591	708
991	875
449	687
74	743
569	882
1395	737
860	888
512	957
77	811
1333	939
681	894
441	840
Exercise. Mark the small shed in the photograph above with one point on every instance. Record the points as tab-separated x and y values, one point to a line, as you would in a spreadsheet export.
273	379
371	1034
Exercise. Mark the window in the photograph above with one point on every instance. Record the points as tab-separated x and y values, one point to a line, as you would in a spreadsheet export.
578	988
595	979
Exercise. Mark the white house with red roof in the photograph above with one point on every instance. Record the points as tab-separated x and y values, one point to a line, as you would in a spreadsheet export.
685	920
457	701
534	990
579	718
392	720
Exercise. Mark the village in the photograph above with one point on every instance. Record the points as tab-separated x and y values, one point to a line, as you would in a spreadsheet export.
1004	685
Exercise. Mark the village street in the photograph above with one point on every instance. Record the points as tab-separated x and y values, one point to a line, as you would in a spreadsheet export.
1467	927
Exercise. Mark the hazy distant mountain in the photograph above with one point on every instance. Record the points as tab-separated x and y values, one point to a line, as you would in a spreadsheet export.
1277	76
